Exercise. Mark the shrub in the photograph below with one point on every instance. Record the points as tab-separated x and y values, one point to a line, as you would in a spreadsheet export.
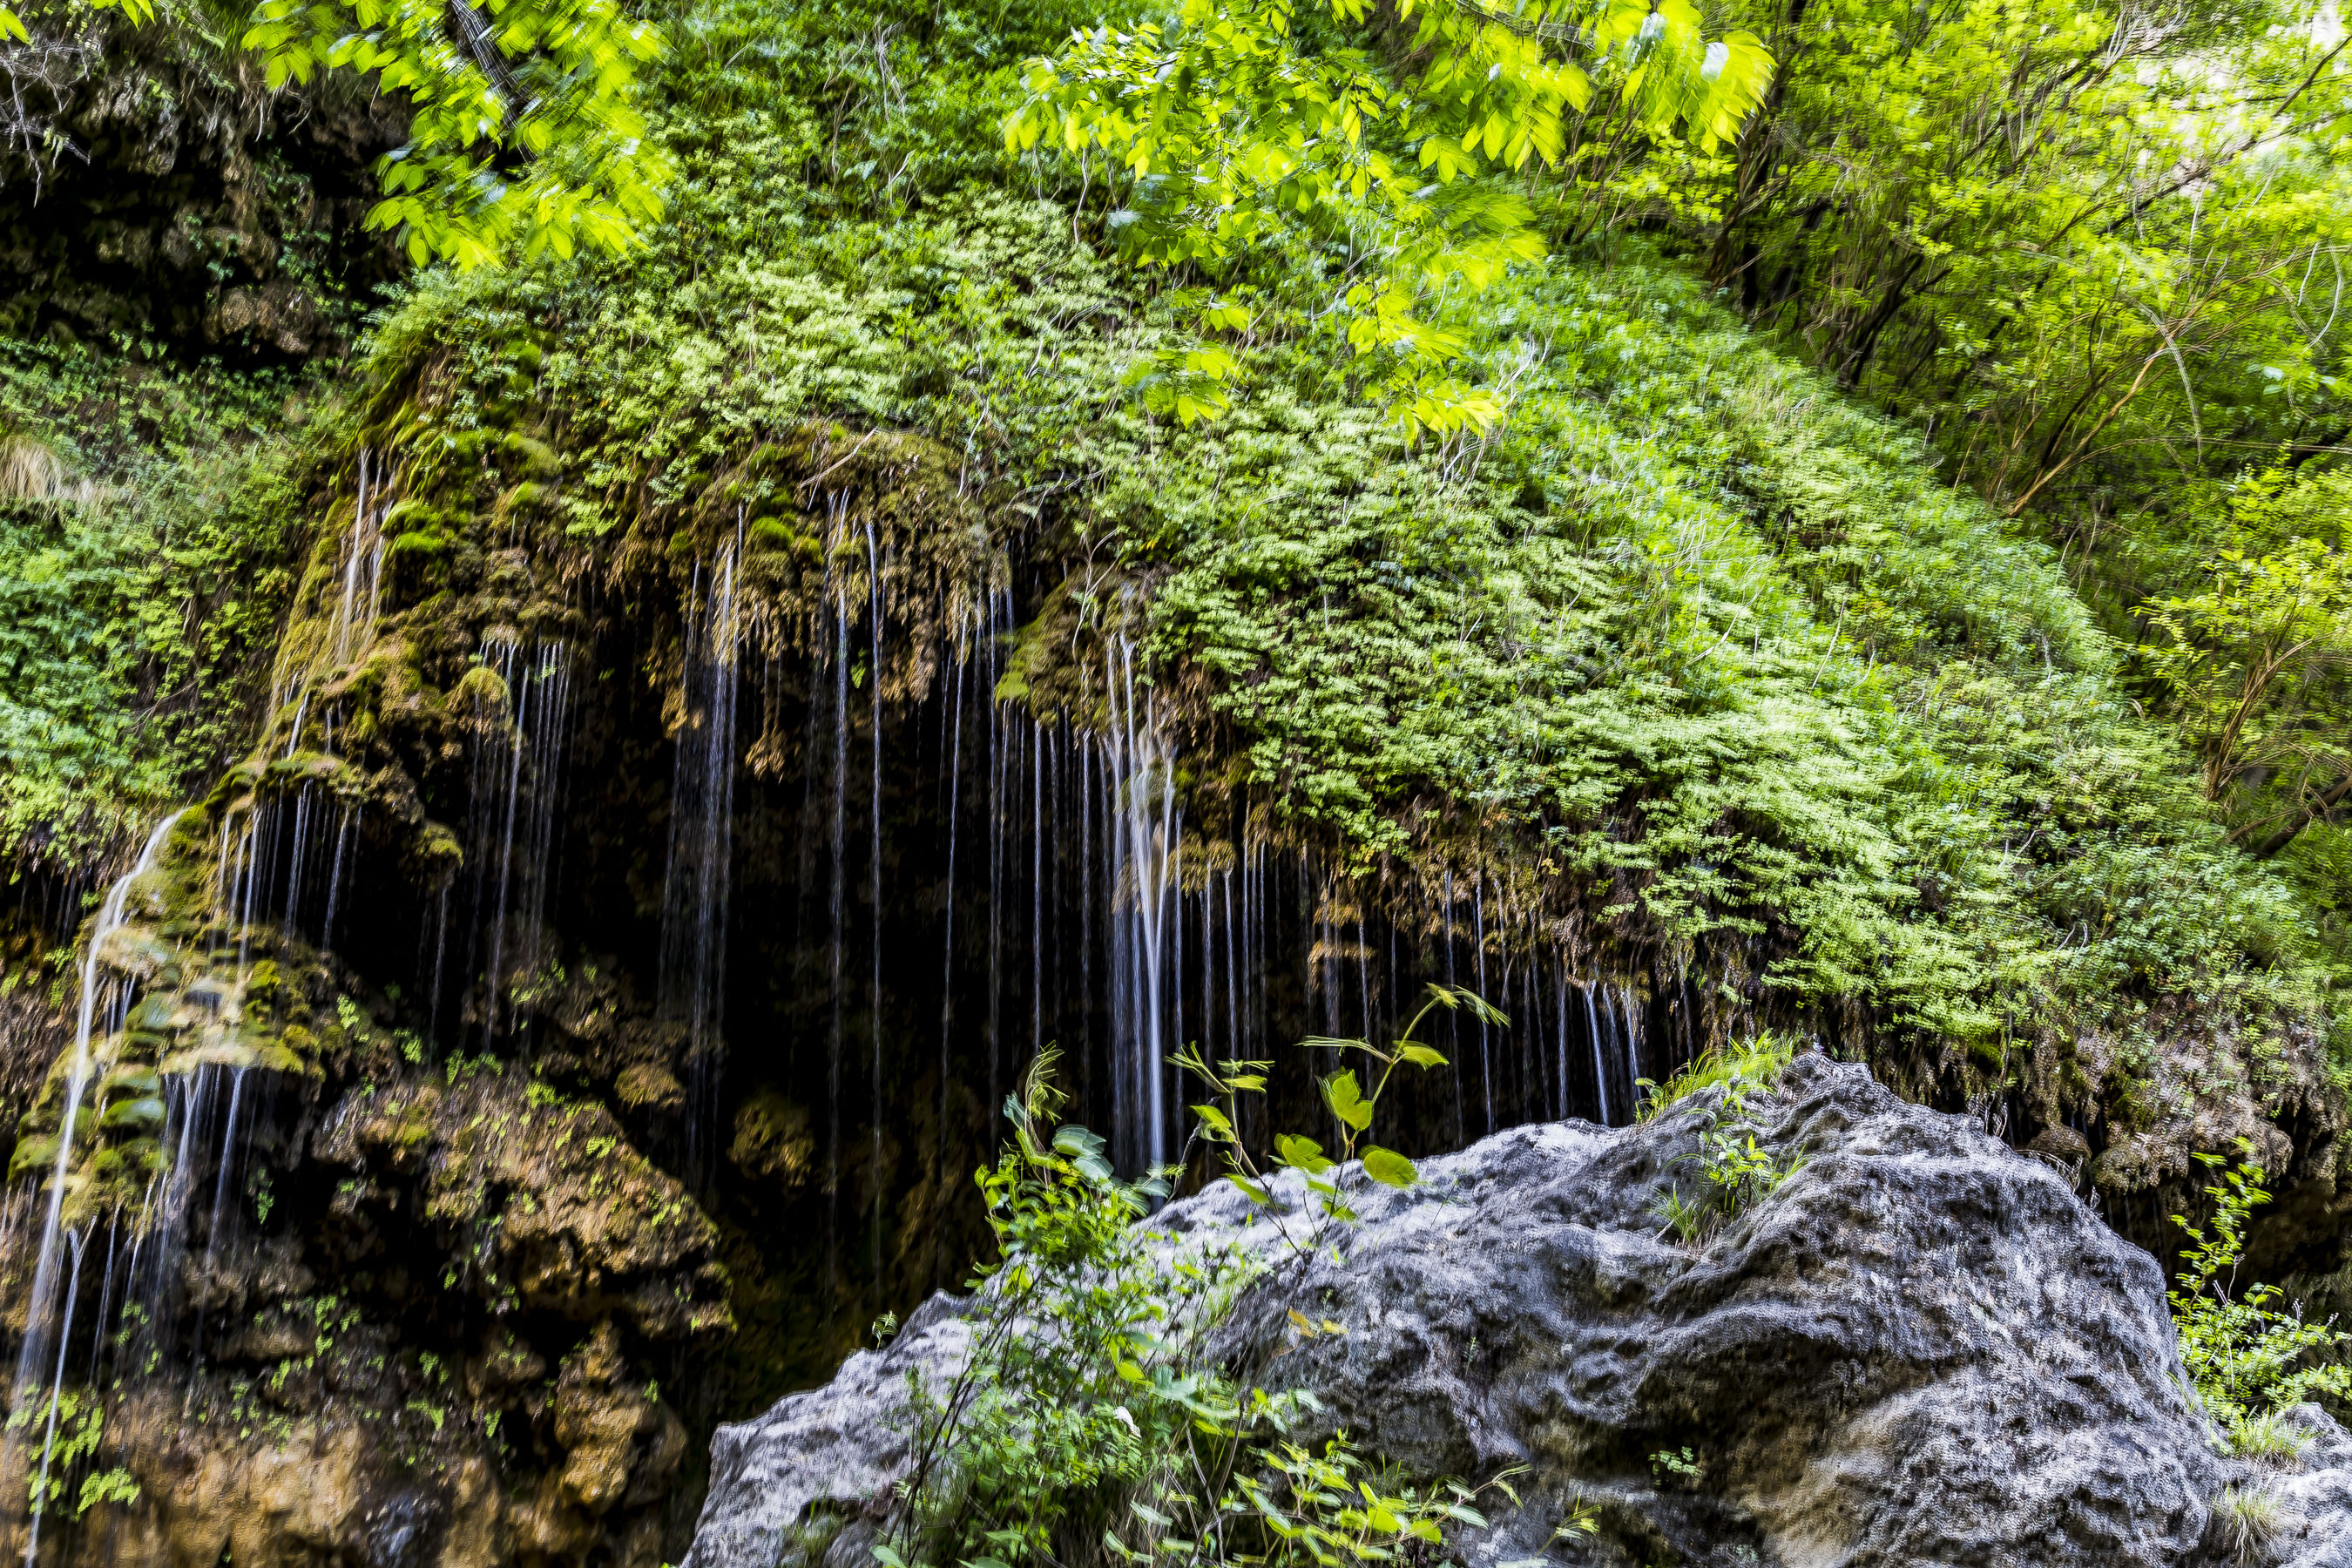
2246	1359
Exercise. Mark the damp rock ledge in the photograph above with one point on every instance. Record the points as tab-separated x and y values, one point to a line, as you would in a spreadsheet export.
1925	1348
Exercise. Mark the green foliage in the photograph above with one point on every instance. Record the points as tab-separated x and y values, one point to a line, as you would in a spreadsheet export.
2266	1439
1737	1173
1745	1068
140	594
2246	1358
65	1430
1693	631
1667	1462
2131	280
2254	661
1076	1379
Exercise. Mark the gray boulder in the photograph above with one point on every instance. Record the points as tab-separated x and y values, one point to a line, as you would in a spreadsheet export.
1923	1348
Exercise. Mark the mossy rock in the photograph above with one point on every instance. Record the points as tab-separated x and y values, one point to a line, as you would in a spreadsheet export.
540	460
483	687
414	515
139	1156
419	547
771	533
143	1113
645	1084
435	854
132	1080
274	1056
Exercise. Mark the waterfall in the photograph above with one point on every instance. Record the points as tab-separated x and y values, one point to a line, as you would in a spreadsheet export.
357	603
954	760
874	1011
518	773
1145	854
691	986
363	586
1600	1068
835	958
48	1323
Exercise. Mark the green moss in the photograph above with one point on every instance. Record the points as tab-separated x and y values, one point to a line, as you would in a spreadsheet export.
419	548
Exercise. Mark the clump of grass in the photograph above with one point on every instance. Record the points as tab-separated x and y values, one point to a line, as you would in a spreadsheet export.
30	468
1755	1064
2266	1439
2250	1519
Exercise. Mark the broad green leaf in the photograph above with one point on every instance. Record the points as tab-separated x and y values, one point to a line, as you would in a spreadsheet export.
1347	1101
1390	1168
1301	1154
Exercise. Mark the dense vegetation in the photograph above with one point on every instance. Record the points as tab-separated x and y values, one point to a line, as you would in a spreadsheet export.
1836	502
2009	711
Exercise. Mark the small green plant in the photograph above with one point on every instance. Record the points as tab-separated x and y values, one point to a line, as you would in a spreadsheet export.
1086	1419
1344	1096
1738	1071
2245	1358
1737	1171
1668	1462
70	1425
117	1485
1073	1379
1292	1507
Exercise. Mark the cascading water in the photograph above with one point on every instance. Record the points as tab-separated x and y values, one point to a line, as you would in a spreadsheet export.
40	1382
517	780
693	958
1145	856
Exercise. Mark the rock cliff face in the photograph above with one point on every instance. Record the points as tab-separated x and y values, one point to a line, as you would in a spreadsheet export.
152	186
1923	1348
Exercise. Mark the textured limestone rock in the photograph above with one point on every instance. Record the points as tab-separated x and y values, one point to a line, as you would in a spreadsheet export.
1923	1348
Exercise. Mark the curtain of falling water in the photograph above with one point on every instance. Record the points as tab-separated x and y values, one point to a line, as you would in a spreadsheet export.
48	1323
693	959
874	992
515	805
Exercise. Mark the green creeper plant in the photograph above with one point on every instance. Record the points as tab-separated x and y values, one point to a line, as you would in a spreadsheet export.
1344	1096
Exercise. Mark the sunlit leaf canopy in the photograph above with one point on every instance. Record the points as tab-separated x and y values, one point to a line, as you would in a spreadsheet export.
524	135
1232	124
